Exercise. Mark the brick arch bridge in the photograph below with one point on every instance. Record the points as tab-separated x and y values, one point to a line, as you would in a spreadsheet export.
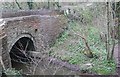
40	28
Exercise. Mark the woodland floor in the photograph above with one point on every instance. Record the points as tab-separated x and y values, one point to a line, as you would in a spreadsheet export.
71	48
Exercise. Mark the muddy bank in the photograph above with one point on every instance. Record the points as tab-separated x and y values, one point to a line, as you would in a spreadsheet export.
54	66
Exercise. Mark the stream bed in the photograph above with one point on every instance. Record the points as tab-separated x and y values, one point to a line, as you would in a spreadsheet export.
49	66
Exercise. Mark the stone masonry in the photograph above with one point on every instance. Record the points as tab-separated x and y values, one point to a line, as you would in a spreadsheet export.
42	27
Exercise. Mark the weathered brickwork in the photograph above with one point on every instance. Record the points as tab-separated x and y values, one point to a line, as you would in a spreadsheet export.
41	29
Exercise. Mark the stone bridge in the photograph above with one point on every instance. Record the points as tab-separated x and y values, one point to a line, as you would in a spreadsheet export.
28	31
33	31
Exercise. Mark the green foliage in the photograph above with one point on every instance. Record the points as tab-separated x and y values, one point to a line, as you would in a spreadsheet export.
105	68
87	16
63	37
70	47
73	52
13	72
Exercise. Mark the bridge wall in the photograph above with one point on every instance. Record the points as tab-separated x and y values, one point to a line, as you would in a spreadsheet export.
41	29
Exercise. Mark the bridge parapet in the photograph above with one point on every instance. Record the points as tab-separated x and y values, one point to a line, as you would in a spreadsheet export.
9	14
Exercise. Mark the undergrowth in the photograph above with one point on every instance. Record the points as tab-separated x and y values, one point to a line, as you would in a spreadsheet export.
70	47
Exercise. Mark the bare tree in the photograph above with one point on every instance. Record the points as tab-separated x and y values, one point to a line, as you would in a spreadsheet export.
112	30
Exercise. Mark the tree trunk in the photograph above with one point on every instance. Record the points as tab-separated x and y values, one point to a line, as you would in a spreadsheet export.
108	28
18	5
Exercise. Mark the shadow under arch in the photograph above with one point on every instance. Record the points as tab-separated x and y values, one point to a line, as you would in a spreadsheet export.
18	52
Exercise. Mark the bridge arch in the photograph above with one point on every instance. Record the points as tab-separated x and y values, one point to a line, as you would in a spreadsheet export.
19	48
27	35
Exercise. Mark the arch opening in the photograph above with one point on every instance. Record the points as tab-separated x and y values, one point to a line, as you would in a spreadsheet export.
19	53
